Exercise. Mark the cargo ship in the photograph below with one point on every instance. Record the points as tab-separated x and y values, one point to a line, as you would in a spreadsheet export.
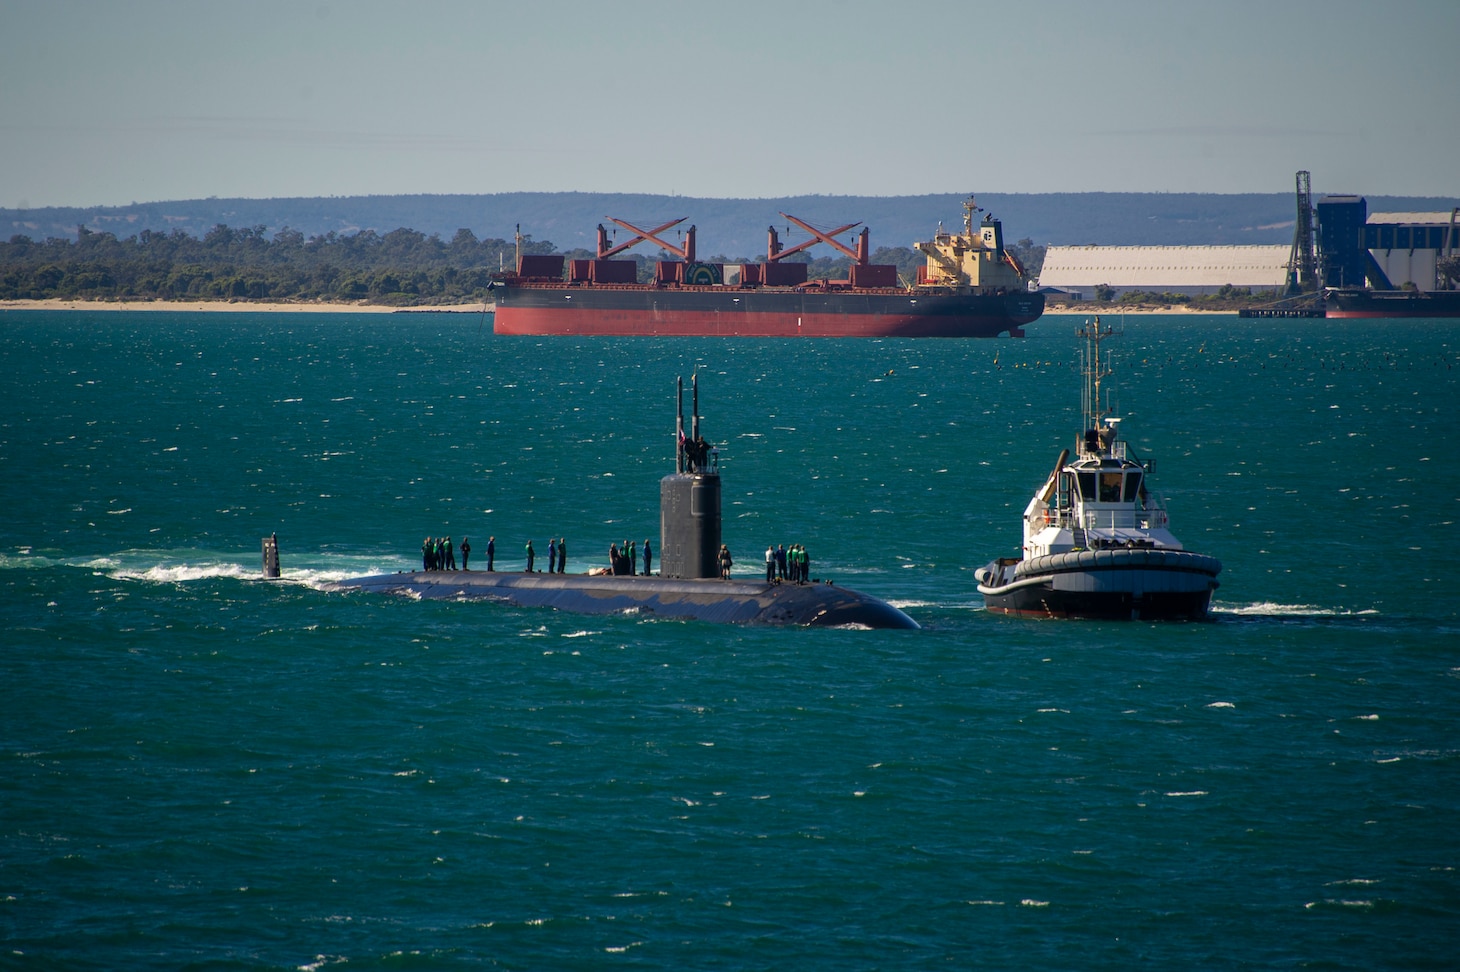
970	286
1364	303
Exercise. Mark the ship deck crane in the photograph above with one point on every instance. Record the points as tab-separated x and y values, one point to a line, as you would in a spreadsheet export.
859	255
687	252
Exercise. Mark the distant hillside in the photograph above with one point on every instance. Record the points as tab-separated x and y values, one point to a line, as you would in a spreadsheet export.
727	227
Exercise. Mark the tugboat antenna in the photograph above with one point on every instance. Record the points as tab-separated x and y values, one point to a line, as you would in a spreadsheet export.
1095	370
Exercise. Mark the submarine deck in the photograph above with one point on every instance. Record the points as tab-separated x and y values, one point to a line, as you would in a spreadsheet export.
720	601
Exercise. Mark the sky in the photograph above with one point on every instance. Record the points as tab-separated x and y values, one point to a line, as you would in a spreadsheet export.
121	101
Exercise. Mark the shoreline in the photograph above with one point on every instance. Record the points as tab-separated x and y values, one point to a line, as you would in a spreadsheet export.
1064	310
326	307
240	306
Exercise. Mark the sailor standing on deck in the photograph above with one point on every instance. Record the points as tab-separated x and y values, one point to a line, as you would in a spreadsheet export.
552	555
530	556
648	559
465	552
491	551
562	554
448	556
770	564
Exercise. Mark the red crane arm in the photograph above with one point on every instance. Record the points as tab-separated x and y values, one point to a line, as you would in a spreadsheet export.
818	237
644	235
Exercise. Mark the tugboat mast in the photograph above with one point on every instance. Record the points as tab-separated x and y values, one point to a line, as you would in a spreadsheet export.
1094	368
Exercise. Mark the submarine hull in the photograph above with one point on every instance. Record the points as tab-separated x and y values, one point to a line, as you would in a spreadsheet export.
714	600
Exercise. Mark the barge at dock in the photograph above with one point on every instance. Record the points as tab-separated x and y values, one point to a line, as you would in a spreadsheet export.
1358	303
970	286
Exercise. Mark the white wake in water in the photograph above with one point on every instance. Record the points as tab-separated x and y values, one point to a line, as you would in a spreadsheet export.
1271	609
193	566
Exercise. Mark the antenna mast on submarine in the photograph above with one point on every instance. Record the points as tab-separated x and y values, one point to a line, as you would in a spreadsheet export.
679	427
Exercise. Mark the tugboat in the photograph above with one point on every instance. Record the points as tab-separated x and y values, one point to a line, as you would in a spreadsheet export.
1097	542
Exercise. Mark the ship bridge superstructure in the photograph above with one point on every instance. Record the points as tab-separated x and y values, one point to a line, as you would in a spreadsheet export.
974	260
1098	498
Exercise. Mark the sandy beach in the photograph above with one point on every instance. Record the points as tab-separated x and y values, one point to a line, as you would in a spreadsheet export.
236	306
1065	310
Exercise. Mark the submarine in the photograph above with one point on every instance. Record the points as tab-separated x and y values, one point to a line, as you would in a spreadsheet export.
688	586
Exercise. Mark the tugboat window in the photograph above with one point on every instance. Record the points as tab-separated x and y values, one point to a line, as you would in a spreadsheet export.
1087	485
1132	486
1110	486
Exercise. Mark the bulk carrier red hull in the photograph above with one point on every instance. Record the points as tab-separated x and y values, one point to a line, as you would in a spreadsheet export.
630	310
971	286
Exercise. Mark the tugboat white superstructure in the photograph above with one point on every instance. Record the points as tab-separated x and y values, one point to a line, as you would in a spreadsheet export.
1097	542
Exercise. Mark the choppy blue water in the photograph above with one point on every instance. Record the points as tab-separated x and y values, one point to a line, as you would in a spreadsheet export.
202	770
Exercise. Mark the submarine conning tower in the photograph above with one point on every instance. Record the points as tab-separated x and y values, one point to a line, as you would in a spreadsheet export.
689	501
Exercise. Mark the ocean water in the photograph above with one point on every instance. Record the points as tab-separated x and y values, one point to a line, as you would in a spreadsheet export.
199	769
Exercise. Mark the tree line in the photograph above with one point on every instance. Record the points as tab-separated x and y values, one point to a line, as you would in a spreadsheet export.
400	267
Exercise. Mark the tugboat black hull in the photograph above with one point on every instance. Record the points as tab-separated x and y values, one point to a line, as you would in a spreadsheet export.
714	600
1046	602
1111	584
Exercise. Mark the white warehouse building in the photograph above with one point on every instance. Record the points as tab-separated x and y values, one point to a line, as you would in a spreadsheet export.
1191	270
